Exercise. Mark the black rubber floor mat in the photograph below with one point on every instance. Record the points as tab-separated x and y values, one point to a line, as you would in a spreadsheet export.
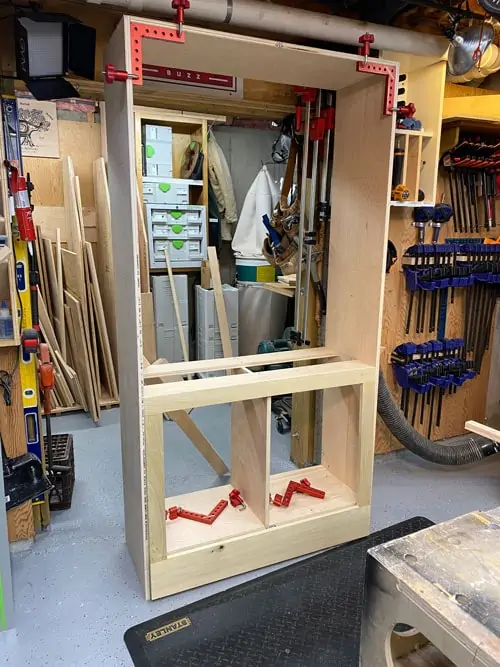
305	614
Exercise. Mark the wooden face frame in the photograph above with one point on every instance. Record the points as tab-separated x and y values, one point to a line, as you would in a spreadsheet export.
180	555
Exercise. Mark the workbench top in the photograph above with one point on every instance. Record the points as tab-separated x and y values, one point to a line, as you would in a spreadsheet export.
452	571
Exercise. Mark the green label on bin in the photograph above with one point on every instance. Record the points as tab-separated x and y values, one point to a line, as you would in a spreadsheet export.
150	151
164	187
177	229
176	215
178	244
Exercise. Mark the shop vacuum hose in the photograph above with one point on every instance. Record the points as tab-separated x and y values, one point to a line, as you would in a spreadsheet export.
455	451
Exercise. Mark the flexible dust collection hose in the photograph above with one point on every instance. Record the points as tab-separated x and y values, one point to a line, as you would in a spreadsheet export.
456	451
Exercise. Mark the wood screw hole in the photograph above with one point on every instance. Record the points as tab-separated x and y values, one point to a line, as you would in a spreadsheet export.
461	599
410	558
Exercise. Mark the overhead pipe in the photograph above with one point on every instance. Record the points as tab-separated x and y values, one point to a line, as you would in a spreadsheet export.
277	19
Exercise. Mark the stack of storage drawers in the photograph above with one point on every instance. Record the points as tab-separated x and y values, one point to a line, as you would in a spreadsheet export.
157	150
181	229
208	340
174	224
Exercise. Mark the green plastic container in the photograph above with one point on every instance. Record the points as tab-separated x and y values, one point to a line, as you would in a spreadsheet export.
251	270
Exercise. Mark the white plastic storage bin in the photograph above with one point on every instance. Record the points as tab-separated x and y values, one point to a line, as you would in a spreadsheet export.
208	340
157	151
157	190
181	229
165	191
168	342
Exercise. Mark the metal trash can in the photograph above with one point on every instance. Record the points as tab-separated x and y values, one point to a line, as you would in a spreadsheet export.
262	315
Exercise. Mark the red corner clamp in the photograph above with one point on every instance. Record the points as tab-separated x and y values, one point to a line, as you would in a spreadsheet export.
176	512
304	486
389	71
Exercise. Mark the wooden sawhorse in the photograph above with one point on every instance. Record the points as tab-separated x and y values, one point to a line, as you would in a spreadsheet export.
444	582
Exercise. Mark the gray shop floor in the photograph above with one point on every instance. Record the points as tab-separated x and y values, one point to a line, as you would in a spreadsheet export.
76	590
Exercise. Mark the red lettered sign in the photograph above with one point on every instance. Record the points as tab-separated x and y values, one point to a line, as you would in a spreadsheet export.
189	77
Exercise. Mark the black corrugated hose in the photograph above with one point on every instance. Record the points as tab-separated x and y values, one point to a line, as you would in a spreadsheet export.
455	451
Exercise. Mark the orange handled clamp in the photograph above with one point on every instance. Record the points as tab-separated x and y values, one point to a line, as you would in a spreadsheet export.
46	372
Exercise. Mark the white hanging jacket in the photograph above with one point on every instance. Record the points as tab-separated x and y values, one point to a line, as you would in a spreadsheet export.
250	232
222	184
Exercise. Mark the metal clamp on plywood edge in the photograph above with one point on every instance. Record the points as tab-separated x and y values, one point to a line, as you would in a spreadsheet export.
389	71
180	6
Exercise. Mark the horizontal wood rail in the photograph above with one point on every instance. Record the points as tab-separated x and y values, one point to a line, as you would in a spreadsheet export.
203	366
482	429
241	387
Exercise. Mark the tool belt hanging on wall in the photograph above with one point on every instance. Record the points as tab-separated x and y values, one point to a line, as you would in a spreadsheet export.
285	220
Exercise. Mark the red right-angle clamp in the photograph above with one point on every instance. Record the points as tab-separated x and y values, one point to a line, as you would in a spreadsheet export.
389	71
178	512
305	487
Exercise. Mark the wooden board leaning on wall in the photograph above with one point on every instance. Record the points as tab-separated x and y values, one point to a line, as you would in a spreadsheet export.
79	138
470	400
72	316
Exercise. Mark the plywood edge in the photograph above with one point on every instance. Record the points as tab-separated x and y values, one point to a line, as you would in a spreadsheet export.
166	115
202	366
121	175
214	391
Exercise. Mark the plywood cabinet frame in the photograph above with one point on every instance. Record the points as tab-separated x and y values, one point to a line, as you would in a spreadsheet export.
183	553
174	557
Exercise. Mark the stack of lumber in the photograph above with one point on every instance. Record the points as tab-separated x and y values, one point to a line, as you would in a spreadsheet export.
76	302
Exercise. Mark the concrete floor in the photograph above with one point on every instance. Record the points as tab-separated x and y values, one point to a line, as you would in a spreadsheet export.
76	591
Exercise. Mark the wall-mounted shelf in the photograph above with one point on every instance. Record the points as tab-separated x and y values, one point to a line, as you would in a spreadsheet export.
415	133
8	342
411	204
185	129
414	175
424	86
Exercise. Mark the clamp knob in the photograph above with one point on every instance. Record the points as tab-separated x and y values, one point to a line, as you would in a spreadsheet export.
180	6
365	41
111	74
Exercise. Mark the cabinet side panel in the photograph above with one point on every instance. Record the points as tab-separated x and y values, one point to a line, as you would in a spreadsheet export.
122	188
251	453
361	180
